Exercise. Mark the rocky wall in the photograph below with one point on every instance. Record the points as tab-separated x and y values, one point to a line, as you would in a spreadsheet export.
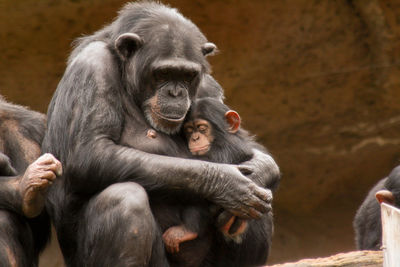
317	81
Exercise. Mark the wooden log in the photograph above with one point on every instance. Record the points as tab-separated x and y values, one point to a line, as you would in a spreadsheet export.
351	259
390	235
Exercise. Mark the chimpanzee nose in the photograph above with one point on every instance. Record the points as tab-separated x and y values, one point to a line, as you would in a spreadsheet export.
175	92
195	136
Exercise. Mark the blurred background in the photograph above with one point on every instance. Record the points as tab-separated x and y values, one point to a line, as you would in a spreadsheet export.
317	81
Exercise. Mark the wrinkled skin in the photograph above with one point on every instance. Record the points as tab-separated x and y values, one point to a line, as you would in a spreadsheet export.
34	183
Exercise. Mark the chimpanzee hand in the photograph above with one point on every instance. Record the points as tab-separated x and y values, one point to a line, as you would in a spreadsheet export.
240	195
231	226
6	169
262	170
35	181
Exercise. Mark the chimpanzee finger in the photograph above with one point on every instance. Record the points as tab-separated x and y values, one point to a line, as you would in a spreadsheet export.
55	168
58	168
47	175
238	227
263	203
225	228
245	170
255	214
264	193
225	220
46	158
261	207
51	162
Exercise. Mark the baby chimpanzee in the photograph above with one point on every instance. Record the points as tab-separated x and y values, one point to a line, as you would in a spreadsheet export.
213	133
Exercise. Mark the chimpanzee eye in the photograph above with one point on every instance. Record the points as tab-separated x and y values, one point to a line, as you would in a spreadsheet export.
161	75
202	128
189	76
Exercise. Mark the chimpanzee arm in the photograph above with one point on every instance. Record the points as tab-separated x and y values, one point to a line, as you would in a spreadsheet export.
85	121
222	184
10	198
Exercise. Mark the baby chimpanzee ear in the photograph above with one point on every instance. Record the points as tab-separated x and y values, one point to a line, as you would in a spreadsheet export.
233	119
127	44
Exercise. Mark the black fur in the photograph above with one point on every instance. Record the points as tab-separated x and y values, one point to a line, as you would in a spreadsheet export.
107	91
367	222
21	133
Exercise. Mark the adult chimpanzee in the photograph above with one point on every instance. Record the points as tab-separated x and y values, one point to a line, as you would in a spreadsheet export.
213	133
24	180
367	222
141	70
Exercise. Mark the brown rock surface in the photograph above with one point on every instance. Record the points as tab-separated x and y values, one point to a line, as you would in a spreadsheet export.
317	81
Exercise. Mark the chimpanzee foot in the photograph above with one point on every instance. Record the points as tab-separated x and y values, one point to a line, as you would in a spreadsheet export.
34	183
175	235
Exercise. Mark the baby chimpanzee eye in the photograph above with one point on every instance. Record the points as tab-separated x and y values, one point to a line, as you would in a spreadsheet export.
202	128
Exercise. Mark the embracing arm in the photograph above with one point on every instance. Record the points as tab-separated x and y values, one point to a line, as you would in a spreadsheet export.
222	184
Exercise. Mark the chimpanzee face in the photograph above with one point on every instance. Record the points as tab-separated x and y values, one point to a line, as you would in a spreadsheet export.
174	83
167	68
199	135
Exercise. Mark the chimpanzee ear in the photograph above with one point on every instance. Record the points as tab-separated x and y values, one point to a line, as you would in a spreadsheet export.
127	44
233	119
209	49
385	196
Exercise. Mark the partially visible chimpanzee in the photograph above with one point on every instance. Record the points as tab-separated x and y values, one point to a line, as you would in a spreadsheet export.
213	133
367	222
142	70
24	179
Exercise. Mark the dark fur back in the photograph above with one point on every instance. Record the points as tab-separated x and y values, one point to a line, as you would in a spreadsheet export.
32	123
29	124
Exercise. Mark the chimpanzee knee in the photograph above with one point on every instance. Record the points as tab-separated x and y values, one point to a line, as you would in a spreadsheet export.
119	224
128	198
13	252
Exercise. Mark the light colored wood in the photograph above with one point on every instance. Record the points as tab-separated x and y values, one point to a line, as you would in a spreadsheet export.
390	235
350	259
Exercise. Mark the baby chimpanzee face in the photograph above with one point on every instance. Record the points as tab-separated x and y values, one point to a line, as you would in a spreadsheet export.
199	135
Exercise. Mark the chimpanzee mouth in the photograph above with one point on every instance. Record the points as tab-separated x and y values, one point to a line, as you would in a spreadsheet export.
199	150
174	119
